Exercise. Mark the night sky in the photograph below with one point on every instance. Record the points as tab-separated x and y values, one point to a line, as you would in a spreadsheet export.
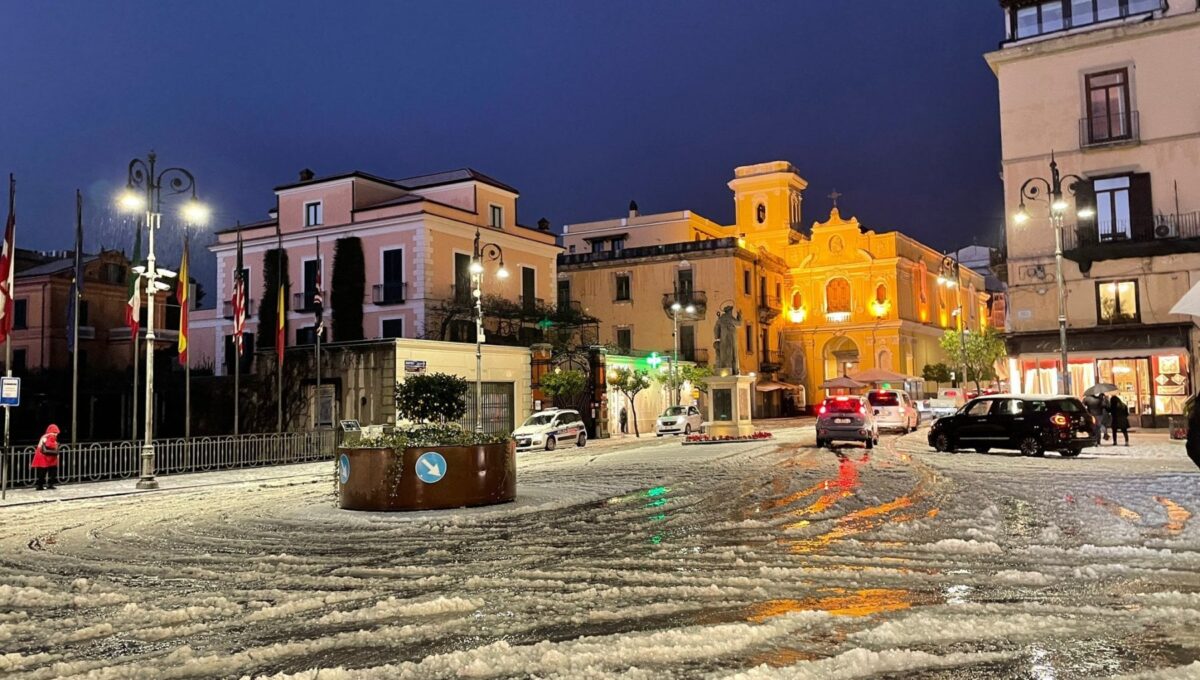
581	106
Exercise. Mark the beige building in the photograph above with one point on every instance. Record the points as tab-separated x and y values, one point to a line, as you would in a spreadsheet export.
1110	87
814	303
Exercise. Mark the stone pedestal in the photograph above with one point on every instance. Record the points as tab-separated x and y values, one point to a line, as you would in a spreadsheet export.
426	478
729	403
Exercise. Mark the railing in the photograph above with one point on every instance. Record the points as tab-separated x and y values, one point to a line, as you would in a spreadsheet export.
99	461
666	249
1163	227
227	309
87	332
303	302
461	294
696	355
393	293
696	298
530	303
772	360
1117	128
769	307
570	306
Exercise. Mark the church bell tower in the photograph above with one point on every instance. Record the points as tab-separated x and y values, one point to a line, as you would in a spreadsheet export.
767	200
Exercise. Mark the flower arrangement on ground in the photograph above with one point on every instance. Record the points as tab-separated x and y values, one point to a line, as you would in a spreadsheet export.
717	439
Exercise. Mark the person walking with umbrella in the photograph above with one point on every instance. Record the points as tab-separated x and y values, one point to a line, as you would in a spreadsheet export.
1118	413
1094	401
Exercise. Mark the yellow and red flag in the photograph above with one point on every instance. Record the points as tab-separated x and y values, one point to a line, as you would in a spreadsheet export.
182	287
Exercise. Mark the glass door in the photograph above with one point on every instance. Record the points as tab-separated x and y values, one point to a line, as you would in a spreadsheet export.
1132	378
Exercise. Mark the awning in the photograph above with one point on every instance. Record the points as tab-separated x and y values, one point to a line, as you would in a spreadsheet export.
841	382
772	385
880	375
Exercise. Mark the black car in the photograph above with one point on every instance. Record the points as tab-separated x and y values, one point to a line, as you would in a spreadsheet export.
1031	424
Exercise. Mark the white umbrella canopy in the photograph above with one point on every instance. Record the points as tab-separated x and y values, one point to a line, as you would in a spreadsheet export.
1189	303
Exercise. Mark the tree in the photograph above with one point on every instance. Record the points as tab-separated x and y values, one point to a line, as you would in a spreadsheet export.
697	376
347	289
629	382
938	372
977	353
432	398
564	387
273	260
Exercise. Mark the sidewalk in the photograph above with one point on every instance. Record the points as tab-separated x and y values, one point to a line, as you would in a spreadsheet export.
128	487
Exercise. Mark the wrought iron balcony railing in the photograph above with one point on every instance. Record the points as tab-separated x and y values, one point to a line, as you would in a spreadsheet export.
696	298
303	302
772	360
392	293
1115	128
227	309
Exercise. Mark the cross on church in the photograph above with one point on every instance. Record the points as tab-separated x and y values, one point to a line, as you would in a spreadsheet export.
835	196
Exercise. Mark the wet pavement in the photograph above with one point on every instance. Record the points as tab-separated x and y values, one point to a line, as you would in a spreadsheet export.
765	560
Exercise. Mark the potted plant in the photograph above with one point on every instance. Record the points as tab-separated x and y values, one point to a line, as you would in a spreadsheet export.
429	461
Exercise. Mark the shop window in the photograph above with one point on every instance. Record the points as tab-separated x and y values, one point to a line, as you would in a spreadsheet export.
1117	302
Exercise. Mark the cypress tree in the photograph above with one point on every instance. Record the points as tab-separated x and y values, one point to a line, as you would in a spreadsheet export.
272	260
348	289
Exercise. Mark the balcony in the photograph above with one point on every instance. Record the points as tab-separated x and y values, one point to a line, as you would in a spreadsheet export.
696	355
1111	130
530	304
87	332
771	361
769	307
394	293
696	298
461	294
569	307
1163	234
227	309
303	302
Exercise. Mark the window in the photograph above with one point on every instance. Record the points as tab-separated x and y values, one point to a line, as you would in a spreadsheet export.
623	287
979	408
778	291
683	286
881	293
837	296
21	314
1057	15
598	245
314	214
1112	208
625	339
311	269
528	287
762	291
1123	208
1116	302
1010	407
618	244
393	328
246	291
746	281
308	335
687	343
83	313
749	338
1108	116
112	273
571	249
564	294
462	277
760	213
497	215
19	361
797	300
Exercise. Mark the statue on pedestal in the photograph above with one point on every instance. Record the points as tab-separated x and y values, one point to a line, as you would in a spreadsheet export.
729	322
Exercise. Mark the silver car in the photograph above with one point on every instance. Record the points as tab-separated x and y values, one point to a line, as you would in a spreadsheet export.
894	410
847	418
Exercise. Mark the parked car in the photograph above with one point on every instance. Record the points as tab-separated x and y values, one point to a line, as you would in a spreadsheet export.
894	410
1030	424
678	420
847	418
948	401
547	429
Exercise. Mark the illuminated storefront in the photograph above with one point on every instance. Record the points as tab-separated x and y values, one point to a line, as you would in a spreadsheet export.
1149	365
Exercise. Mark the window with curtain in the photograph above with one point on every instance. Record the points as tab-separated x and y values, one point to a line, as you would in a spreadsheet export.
1117	302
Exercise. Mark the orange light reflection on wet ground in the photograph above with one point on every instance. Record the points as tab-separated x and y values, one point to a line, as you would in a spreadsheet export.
842	603
1177	515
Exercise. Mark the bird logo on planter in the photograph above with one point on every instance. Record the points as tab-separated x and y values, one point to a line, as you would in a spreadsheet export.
431	467
344	468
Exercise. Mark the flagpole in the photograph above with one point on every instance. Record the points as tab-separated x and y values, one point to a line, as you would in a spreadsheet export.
239	288
75	316
279	323
12	267
320	331
187	321
133	337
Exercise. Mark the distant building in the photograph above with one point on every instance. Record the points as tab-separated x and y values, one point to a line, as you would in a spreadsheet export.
1110	88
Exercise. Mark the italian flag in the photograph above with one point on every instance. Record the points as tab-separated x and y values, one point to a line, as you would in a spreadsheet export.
133	308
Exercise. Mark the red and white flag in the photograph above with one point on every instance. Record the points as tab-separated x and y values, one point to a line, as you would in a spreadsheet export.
7	256
239	297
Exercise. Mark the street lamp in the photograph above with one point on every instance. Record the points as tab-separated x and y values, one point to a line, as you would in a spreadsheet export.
143	193
480	251
676	308
1053	188
950	276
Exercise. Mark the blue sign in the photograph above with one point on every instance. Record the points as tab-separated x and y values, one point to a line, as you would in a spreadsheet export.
10	391
431	467
344	468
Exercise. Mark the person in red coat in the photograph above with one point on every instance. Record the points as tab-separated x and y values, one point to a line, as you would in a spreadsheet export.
45	459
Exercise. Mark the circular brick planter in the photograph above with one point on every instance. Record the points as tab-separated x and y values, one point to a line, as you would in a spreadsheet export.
426	478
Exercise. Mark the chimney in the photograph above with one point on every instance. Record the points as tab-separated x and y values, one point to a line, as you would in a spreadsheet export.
633	209
306	175
543	224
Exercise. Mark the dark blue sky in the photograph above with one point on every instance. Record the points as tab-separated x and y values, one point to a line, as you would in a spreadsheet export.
581	106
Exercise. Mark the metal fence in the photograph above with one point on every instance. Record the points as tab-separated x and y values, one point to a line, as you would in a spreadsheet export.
99	461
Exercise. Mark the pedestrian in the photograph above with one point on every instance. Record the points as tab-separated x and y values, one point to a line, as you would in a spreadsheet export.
623	418
1118	414
1095	406
45	459
1193	430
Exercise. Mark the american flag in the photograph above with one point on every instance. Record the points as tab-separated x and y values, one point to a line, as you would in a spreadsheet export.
239	298
318	297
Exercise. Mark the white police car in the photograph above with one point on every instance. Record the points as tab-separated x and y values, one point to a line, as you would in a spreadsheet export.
547	429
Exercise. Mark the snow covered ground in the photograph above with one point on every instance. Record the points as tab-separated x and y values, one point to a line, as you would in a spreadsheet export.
770	560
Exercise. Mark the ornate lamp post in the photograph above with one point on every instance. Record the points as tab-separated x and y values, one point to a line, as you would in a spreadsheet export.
675	309
143	193
490	251
1032	189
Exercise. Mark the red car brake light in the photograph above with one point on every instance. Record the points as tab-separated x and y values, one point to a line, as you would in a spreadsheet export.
822	410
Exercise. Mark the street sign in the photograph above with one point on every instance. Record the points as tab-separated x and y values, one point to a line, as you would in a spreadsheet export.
351	426
344	468
10	391
414	367
431	467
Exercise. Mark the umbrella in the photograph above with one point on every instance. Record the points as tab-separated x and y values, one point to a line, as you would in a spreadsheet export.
880	375
1189	303
1100	388
841	382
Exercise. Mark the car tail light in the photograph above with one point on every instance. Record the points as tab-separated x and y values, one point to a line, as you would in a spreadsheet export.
1059	420
861	410
821	411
